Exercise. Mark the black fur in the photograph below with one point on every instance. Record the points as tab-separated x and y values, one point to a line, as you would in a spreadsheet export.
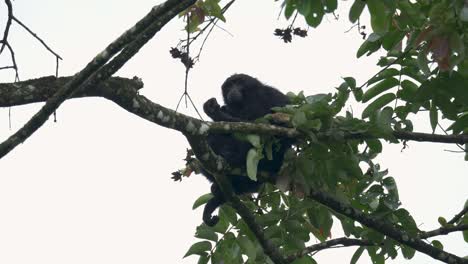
245	99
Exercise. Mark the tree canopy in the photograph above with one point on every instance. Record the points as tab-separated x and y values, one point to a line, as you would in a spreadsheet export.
335	179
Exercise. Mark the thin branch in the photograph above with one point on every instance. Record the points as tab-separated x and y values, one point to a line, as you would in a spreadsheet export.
7	67
344	241
223	10
36	37
13	58
443	231
261	129
8	25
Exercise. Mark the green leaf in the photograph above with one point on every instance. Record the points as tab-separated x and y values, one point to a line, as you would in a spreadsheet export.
228	213
205	232
423	63
290	8
380	20
314	18
383	121
379	88
203	259
407	221
358	93
330	5
437	244
383	75
434	116
304	7
378	104
460	125
248	247
254	140
408	252
351	82
375	146
299	119
368	47
359	251
408	91
391	40
202	200
199	248
376	258
356	10
213	8
442	221
252	163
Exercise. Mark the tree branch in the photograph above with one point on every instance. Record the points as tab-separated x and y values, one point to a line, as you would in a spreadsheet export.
41	89
457	217
344	241
443	231
385	228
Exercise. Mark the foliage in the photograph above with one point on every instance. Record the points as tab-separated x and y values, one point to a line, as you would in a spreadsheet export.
424	69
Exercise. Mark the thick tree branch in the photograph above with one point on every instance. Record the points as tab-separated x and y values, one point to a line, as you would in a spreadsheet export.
135	38
385	228
41	89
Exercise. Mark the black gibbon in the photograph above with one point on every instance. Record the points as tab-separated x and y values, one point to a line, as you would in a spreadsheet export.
245	99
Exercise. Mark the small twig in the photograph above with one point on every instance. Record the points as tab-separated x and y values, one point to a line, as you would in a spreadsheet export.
344	241
223	10
7	67
7	26
351	28
36	37
294	20
194	107
13	59
205	39
188	64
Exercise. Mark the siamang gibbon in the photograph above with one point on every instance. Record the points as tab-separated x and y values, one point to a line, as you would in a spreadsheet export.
245	99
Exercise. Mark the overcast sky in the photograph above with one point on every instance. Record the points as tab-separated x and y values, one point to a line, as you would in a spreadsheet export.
95	186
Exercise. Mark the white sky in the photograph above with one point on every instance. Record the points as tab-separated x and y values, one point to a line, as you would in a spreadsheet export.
95	187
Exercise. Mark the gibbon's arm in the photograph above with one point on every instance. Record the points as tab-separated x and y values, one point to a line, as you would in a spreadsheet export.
217	113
